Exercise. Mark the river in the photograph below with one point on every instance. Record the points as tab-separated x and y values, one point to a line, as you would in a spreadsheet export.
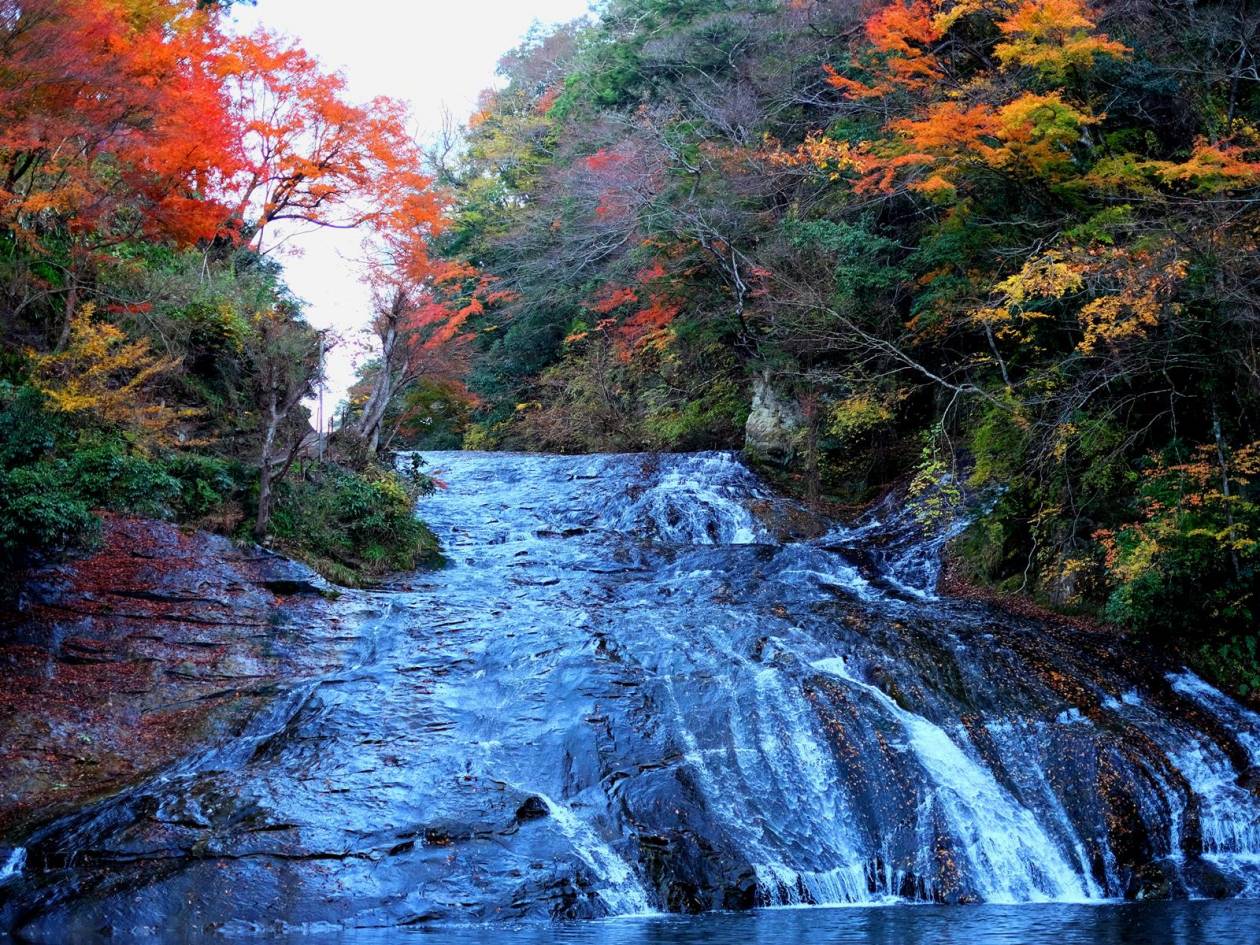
646	685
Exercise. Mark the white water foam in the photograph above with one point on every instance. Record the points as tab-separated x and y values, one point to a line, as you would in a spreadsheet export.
13	864
1034	781
623	894
1241	721
1229	816
1010	856
700	499
775	752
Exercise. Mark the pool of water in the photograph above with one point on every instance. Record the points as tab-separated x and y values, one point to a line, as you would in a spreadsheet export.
1155	923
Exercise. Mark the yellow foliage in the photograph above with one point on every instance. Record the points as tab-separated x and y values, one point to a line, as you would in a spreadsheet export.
951	11
1216	167
1131	288
1038	130
1142	286
1212	167
857	415
1110	319
1034	132
1063	434
104	375
817	151
1053	36
1046	277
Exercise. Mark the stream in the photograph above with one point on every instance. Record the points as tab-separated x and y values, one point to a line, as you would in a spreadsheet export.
645	687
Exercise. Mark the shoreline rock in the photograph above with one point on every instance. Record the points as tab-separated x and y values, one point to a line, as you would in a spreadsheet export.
119	663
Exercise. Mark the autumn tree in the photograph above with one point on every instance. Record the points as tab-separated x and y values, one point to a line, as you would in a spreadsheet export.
152	360
103	375
113	126
1021	229
309	155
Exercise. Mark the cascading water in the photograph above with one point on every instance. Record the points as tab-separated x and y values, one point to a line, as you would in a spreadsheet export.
1005	847
625	694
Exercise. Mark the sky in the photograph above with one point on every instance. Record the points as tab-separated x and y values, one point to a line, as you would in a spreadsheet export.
432	54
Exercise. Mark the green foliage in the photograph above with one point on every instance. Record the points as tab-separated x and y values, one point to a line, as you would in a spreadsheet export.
1233	663
999	445
485	435
106	475
1187	568
435	417
857	416
53	478
40	513
206	484
354	527
47	499
934	495
988	550
699	423
861	256
30	431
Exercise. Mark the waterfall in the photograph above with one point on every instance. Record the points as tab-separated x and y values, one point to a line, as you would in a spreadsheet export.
627	691
620	889
1011	857
700	499
1242	722
11	868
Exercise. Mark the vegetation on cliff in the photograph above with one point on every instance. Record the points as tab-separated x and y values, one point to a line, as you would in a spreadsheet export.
1011	242
1004	247
152	359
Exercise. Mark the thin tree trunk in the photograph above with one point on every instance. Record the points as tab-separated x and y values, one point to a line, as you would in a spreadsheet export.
1229	507
374	409
387	379
67	323
265	476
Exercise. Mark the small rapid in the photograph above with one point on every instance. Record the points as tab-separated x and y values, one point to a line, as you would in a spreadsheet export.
634	689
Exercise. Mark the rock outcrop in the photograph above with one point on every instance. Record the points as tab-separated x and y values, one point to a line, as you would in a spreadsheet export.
116	664
775	426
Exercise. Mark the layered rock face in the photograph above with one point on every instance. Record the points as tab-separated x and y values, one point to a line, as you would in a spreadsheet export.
775	425
119	663
629	693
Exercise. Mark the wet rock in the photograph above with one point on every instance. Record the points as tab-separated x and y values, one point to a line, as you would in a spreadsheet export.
1072	580
532	808
788	521
1250	779
287	587
691	875
116	663
1208	880
670	710
1154	880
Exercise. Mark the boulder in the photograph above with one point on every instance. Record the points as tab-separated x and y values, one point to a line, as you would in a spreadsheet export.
776	425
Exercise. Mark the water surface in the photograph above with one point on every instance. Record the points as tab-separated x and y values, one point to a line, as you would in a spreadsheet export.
1163	923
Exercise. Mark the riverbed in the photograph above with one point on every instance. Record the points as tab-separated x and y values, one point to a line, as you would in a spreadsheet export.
645	688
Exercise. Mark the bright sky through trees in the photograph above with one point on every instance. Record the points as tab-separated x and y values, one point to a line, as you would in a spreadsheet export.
434	56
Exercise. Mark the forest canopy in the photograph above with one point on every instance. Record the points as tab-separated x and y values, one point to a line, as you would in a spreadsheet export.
1010	244
999	253
154	360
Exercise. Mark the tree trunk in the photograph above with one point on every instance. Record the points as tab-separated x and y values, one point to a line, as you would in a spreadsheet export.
72	303
265	477
1225	489
385	384
374	409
